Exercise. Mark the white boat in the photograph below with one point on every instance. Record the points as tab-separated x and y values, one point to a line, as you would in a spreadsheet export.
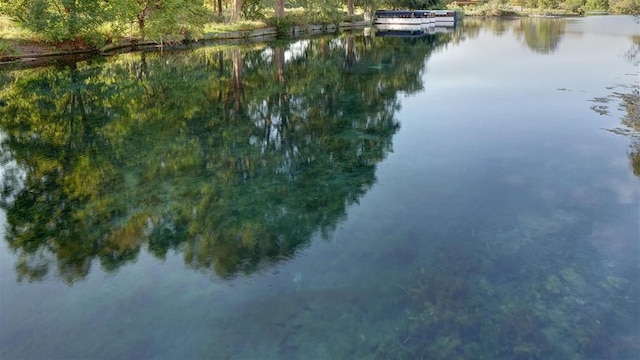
401	27
444	17
397	17
415	17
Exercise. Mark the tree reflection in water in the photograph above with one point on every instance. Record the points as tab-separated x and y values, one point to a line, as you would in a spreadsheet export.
628	99
234	157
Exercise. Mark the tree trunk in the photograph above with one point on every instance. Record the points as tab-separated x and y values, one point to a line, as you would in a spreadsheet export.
72	22
141	24
279	8
351	6
235	10
350	58
142	16
278	59
284	112
237	88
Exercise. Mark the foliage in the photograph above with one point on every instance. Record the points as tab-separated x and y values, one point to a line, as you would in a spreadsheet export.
236	26
284	25
58	20
403	4
176	20
88	22
493	8
547	4
355	18
6	48
574	6
253	10
160	19
323	12
625	6
9	29
602	5
411	4
83	21
506	8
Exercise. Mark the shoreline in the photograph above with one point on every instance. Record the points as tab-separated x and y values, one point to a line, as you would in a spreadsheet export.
34	54
43	55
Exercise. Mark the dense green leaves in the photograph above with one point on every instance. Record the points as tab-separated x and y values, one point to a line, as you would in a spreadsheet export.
89	21
59	20
160	19
602	5
412	4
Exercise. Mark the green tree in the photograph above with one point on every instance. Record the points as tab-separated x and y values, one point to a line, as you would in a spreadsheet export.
60	20
575	6
625	6
596	5
161	19
79	21
412	4
547	4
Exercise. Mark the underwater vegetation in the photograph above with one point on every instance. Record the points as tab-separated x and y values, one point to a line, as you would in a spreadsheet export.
500	295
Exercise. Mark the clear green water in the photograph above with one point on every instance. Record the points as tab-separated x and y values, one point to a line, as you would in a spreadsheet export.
463	195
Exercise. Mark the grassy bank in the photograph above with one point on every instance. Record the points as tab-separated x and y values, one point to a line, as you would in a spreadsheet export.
17	41
13	38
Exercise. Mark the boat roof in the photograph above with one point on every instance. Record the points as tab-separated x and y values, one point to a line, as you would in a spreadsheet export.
409	11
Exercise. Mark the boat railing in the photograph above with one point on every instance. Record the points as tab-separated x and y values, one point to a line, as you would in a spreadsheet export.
414	13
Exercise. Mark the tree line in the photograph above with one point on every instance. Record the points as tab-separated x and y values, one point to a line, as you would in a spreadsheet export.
576	6
92	21
95	22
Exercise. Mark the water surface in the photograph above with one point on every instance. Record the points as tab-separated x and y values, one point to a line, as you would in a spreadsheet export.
465	194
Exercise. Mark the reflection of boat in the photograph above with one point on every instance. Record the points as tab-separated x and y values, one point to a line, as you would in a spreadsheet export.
407	32
443	29
415	17
399	30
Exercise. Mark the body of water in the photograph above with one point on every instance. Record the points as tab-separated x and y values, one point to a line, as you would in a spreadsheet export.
467	194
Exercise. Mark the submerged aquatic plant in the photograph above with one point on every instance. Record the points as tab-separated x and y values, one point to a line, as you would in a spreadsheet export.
461	305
